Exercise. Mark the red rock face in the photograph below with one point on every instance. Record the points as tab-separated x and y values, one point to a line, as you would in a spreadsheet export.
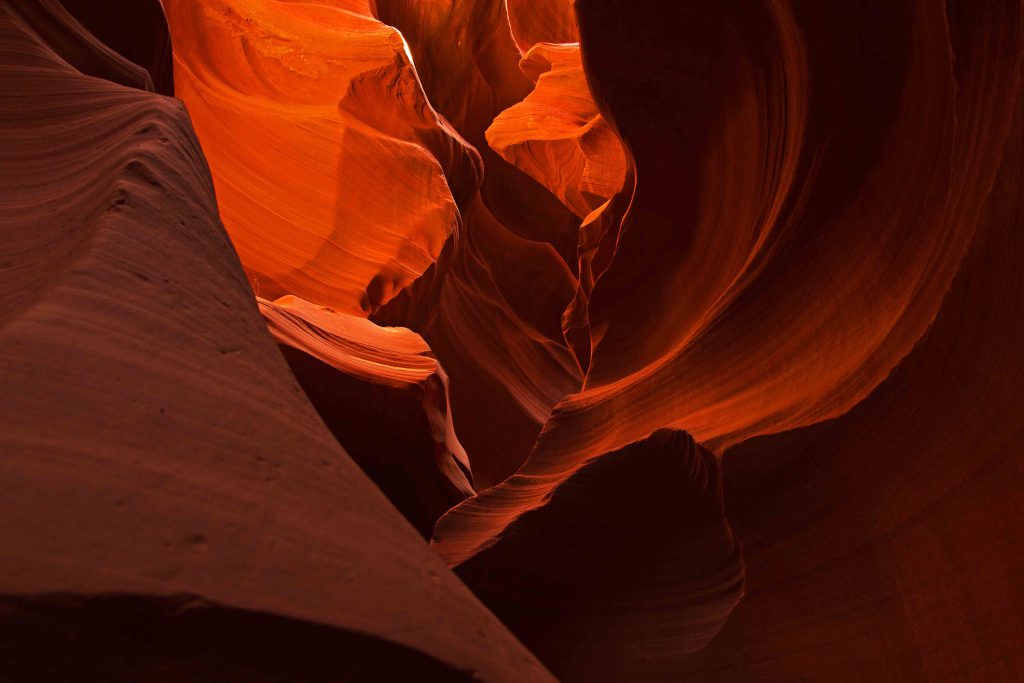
163	474
686	334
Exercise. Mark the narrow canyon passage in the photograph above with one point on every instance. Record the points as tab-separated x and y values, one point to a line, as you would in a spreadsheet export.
511	340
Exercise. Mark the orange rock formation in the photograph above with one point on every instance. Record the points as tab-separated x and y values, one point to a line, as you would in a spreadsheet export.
626	307
323	147
182	484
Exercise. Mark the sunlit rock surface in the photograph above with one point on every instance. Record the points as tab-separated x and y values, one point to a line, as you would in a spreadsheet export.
557	136
322	146
491	309
779	303
686	332
161	471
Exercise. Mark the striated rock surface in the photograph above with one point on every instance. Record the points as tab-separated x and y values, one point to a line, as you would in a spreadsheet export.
555	275
384	181
888	538
491	308
135	29
557	136
541	21
72	42
385	397
769	303
328	160
168	494
841	269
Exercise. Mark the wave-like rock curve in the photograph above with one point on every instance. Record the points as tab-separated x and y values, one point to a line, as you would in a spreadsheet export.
385	397
720	348
536	265
179	455
324	149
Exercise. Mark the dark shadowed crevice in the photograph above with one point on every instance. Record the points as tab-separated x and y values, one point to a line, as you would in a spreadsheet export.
136	639
135	29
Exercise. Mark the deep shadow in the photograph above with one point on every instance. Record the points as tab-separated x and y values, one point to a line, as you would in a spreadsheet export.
386	433
141	639
135	29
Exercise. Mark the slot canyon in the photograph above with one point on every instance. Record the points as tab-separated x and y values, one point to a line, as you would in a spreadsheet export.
511	340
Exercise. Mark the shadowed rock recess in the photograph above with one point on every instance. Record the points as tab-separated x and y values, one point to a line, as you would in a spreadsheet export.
511	340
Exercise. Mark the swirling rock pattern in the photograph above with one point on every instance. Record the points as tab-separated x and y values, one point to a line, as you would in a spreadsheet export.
319	101
491	309
887	538
629	308
557	136
541	21
182	479
690	364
